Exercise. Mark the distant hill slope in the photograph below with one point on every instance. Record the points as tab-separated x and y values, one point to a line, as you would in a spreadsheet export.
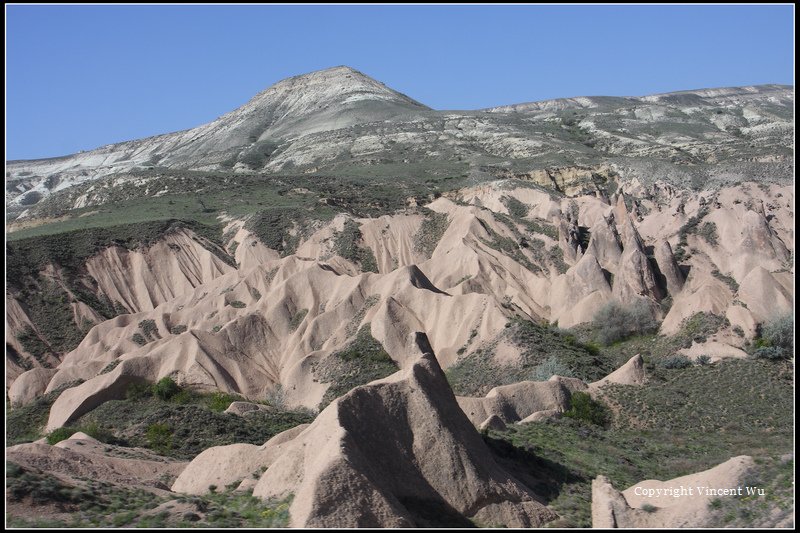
339	121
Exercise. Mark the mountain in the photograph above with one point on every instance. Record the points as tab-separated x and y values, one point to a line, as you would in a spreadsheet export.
338	120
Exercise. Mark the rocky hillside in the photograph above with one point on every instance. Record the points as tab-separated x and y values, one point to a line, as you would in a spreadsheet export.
338	120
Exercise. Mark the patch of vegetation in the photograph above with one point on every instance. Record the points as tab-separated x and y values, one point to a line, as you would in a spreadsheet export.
750	397
139	339
703	360
691	227
159	438
543	349
583	407
93	430
110	366
708	231
556	255
662	431
149	329
775	476
362	361
550	367
676	361
515	208
728	280
297	319
25	423
185	422
355	322
698	327
238	304
346	245
775	338
512	247
92	504
279	228
165	388
178	329
615	321
430	232
33	344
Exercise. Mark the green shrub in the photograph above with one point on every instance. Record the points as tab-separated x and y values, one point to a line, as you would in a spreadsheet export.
345	244
149	328
159	438
703	360
616	322
583	407
220	401
649	508
709	232
166	388
297	319
676	361
515	208
139	339
57	435
110	366
773	353
550	367
238	304
430	232
780	332
138	391
177	330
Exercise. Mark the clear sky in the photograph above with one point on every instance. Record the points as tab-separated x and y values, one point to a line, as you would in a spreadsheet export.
78	77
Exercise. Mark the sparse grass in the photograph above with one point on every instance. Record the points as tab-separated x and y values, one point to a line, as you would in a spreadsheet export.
663	430
728	280
477	373
430	232
362	361
185	422
297	319
775	476
25	423
90	504
708	231
346	245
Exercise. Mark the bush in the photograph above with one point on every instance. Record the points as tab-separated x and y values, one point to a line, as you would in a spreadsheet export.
57	435
159	438
550	367
709	232
779	332
583	407
220	401
166	388
677	361
616	322
703	360
772	353
138	391
238	304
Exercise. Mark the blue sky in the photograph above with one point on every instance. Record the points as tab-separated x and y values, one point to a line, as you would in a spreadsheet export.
78	77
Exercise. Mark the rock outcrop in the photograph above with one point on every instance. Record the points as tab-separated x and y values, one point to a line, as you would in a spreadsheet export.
681	502
400	449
